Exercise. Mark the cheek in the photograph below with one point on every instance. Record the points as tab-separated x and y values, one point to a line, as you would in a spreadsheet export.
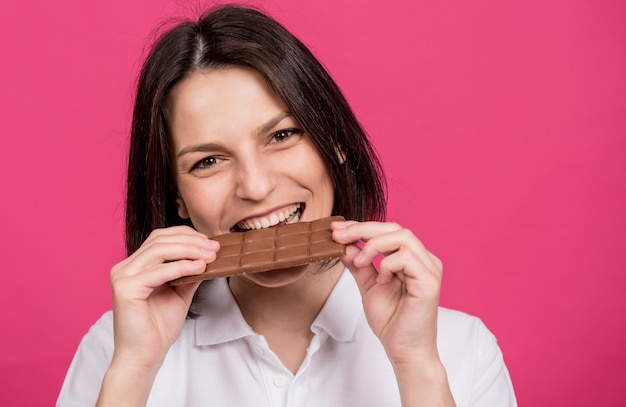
204	200
312	170
309	163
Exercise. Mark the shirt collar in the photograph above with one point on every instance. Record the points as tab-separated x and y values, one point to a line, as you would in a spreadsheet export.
343	311
220	319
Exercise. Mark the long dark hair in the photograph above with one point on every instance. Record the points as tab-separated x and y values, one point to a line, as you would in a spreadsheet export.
240	36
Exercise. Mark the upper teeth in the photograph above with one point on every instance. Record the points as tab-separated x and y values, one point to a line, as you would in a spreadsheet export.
289	214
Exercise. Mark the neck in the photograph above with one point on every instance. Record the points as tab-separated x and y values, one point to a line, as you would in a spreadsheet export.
289	308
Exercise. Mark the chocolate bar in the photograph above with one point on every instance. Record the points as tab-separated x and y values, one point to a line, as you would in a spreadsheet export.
271	248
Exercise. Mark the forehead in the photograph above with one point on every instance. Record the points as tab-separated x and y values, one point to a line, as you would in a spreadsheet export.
221	100
221	89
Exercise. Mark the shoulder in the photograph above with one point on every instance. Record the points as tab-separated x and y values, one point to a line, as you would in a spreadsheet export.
92	358
463	340
98	339
101	332
104	323
473	360
456	325
459	334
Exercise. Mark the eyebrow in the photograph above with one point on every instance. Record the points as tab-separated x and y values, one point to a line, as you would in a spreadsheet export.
264	128
200	148
272	123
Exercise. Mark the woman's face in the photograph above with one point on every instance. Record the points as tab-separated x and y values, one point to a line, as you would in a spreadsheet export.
241	160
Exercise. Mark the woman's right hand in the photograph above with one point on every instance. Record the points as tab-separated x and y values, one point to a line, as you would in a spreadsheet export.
148	314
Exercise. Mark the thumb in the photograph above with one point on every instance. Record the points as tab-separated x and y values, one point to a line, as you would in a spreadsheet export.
186	291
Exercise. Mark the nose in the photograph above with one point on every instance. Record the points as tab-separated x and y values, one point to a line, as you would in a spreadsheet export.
256	178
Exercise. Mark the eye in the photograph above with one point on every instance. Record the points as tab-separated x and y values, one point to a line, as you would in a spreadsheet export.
206	162
283	135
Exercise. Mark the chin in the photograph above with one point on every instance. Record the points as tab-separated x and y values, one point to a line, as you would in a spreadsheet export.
277	278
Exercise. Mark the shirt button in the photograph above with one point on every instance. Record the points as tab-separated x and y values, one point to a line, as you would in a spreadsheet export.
280	381
258	351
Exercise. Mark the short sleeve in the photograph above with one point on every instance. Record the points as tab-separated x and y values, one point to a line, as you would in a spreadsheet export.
93	357
492	385
476	370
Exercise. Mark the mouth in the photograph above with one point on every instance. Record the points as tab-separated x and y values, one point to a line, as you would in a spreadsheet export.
290	214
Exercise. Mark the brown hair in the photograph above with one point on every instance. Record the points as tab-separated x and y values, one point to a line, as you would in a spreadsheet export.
240	36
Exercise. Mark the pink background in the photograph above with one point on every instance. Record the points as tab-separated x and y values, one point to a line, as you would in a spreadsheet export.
502	126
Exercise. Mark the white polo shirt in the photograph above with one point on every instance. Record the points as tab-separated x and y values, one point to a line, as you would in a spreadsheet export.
219	361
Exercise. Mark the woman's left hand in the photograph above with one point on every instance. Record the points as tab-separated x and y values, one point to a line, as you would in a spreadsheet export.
401	298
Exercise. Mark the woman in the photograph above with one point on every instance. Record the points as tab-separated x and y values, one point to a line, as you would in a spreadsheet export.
237	126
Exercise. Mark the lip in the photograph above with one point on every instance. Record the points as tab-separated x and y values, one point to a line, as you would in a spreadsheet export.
276	211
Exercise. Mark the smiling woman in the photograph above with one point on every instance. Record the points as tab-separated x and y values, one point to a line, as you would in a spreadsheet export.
296	79
236	126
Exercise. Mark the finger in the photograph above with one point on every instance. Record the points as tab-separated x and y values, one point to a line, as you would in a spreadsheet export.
408	269
383	238
351	231
399	241
140	286
185	237
171	271
173	230
186	291
169	234
389	267
341	224
172	248
365	277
